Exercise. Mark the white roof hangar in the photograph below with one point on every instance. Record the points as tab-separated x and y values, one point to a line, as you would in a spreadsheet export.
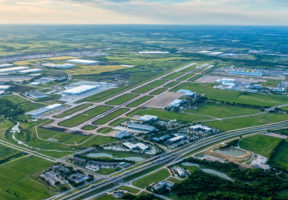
44	109
80	89
83	61
13	69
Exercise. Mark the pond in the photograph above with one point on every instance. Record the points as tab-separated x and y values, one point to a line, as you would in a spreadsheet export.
107	155
231	152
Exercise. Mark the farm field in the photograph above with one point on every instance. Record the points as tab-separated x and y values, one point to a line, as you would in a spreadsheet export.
73	110
219	110
260	144
139	101
110	117
233	96
280	158
20	182
236	123
89	114
167	115
152	178
149	86
122	99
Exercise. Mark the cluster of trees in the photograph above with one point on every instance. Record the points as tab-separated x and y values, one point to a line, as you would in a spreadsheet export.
249	184
139	197
9	110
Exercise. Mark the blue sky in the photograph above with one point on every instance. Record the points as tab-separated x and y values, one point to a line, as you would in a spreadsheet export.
230	12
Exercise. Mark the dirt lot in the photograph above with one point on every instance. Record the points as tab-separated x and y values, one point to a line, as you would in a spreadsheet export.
163	100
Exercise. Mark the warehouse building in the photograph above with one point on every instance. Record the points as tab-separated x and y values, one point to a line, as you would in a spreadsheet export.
82	61
58	66
6	65
148	118
4	87
187	93
44	109
137	146
177	138
200	127
142	127
176	103
123	134
80	89
12	70
29	71
37	95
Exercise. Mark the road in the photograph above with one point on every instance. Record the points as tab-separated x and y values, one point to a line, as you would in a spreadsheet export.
169	159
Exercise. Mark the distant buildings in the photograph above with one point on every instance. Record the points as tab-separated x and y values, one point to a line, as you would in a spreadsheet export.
148	118
6	65
44	109
83	61
29	71
37	95
142	127
12	70
154	52
246	73
58	66
80	89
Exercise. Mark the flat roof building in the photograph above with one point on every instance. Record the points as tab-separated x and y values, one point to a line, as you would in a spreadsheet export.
142	127
4	87
123	134
12	69
154	52
2	92
177	138
83	61
80	89
44	109
187	92
29	71
137	146
200	127
176	103
6	65
148	118
58	66
37	95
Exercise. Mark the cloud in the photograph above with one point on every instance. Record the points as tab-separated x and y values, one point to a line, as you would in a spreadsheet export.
145	11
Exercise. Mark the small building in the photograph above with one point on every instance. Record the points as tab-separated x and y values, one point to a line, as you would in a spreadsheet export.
200	127
80	89
123	134
163	185
37	95
83	61
180	171
142	127
176	138
78	178
148	118
4	87
44	109
187	93
137	146
162	138
176	103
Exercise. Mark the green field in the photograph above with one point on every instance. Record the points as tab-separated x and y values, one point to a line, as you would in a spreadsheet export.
236	123
158	91
23	103
105	197
129	189
220	110
6	152
73	110
173	76
122	99
88	128
17	179
110	117
105	130
233	96
280	158
152	178
139	101
172	84
118	121
167	115
149	86
89	114
260	144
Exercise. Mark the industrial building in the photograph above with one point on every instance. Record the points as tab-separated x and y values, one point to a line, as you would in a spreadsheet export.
80	89
37	95
44	109
187	93
142	127
12	70
58	66
176	138
123	134
148	118
180	171
201	127
2	92
226	83
82	61
4	87
154	52
28	71
161	139
176	103
137	146
6	65
246	73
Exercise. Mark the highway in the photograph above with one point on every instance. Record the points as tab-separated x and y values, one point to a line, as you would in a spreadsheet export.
169	159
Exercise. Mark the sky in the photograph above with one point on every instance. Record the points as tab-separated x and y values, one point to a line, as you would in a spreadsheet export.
194	12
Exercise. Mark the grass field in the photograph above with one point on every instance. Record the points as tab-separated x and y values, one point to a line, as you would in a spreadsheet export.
78	119
95	69
139	101
129	189
166	115
73	110
105	130
23	103
231	124
118	121
88	128
172	76
149	86
219	110
281	156
122	99
260	144
234	96
158	91
172	84
152	178
105	197
110	117
6	151
16	179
